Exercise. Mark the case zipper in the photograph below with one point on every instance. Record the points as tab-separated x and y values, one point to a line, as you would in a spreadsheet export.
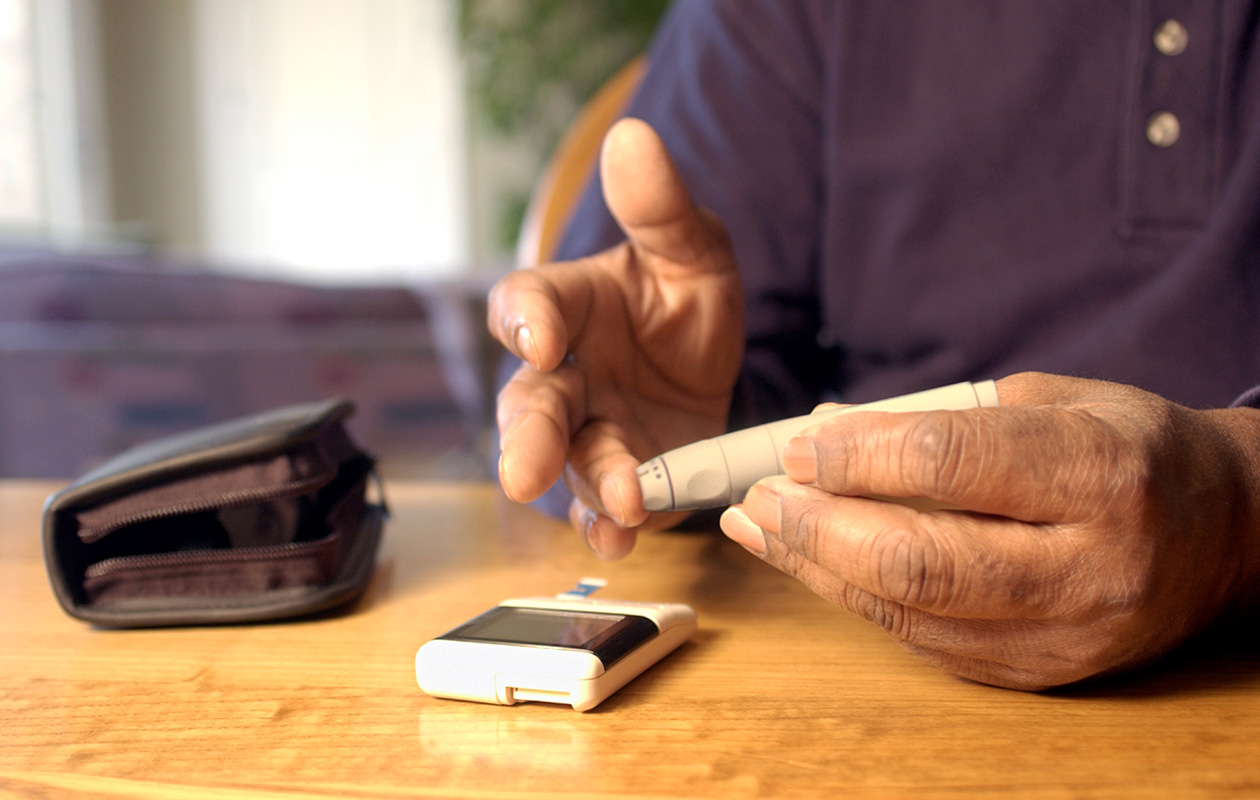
240	497
101	569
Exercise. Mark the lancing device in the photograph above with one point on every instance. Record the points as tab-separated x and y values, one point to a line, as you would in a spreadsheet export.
720	471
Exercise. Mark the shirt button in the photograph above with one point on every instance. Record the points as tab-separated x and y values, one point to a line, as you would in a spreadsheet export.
1171	38
1163	129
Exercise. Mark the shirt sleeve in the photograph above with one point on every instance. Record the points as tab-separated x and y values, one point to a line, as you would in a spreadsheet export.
1249	398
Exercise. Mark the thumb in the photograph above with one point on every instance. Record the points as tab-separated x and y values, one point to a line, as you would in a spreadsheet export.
648	199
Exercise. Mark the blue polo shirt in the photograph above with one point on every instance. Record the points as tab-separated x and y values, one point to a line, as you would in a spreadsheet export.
928	191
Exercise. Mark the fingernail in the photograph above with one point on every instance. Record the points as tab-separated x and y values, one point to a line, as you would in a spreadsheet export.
741	530
800	459
505	477
501	465
590	532
526	348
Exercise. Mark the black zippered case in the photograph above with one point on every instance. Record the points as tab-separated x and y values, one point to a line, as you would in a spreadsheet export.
258	519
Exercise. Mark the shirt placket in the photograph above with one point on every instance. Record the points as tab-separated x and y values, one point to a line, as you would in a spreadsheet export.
1170	132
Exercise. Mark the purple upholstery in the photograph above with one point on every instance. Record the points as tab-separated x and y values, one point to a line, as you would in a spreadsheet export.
98	353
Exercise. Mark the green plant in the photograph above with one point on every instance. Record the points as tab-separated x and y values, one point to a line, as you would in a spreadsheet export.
532	64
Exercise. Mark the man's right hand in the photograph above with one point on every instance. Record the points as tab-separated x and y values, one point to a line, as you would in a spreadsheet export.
627	353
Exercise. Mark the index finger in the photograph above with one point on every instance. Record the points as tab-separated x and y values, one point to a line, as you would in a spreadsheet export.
533	311
1040	464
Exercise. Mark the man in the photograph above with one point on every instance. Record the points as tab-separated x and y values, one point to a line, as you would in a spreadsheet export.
906	196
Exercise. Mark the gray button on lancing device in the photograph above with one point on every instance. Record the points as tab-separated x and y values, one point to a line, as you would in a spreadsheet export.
720	471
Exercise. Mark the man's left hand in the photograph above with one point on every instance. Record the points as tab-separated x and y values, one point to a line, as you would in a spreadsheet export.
1082	528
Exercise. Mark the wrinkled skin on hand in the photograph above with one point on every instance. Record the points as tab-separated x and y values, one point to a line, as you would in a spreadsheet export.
627	353
1083	528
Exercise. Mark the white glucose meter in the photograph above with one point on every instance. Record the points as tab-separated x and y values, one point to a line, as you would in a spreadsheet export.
570	650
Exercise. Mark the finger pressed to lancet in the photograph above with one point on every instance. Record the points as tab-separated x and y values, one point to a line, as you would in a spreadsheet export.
1032	464
605	538
602	468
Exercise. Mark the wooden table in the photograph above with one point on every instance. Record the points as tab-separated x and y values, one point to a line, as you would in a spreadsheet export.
778	694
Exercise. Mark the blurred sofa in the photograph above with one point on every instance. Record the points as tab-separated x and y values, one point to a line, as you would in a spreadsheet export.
99	352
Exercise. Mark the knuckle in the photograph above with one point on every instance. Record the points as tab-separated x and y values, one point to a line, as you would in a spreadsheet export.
909	567
497	302
1134	475
505	295
892	618
935	452
1098	587
794	564
548	403
512	397
1102	471
805	531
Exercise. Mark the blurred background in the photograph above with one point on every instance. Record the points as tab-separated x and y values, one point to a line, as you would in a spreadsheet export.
213	207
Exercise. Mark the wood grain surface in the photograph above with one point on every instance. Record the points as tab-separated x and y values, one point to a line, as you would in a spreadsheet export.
778	695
